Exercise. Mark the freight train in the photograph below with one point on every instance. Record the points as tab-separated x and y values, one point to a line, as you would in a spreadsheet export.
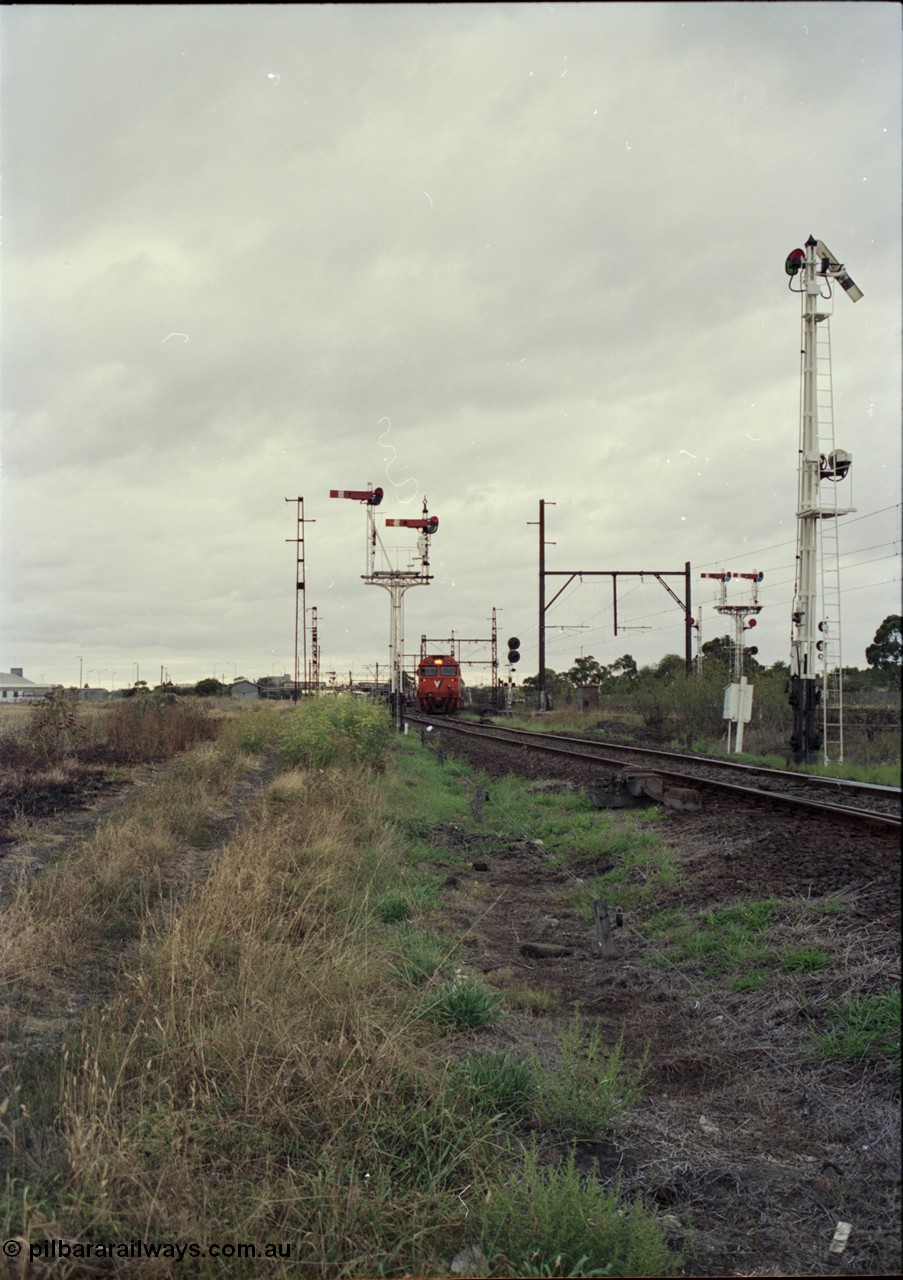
440	689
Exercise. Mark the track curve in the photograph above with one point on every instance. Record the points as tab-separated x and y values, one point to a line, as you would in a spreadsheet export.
840	800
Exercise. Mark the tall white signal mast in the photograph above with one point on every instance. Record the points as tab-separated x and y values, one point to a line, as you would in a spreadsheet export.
816	691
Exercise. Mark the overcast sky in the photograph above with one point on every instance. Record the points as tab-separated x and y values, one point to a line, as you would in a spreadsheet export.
482	253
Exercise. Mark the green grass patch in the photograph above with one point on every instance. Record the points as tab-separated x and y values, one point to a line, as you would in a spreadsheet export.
864	1027
318	733
803	960
523	996
495	1084
750	981
732	941
636	880
463	1004
413	898
418	955
662	922
832	906
882	775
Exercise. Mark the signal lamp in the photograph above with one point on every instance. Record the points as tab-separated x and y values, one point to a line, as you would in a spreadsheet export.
513	655
795	261
513	643
751	622
753	650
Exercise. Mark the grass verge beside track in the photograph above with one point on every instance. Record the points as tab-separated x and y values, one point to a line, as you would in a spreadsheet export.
285	1055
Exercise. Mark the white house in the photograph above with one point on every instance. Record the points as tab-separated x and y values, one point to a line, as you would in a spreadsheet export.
14	687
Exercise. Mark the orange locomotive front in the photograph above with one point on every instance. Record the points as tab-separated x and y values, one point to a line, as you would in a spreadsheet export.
439	684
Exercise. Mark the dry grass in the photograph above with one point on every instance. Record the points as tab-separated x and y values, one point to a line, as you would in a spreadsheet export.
256	1073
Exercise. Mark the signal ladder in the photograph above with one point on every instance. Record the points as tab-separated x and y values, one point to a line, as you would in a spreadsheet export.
830	511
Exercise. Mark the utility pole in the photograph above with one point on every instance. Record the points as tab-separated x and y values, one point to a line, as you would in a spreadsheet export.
543	700
300	591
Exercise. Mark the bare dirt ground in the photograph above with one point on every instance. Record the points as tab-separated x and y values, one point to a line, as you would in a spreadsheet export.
755	1151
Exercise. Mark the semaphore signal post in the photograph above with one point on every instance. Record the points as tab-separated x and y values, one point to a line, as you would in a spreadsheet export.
381	572
816	690
739	693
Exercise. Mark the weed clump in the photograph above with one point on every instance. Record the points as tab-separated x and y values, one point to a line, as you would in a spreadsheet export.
591	1085
320	733
495	1084
464	1004
550	1221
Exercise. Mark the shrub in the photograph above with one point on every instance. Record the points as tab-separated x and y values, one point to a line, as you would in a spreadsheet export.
323	732
590	1085
54	731
552	1222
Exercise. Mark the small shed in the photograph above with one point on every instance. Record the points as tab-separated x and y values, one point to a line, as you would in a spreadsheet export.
245	689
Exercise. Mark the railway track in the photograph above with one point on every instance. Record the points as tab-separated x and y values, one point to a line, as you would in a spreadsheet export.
865	804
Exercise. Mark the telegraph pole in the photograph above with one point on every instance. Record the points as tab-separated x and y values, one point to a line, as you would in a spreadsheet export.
542	600
300	591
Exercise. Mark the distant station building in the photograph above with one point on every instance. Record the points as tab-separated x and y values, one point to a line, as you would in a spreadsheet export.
244	689
15	687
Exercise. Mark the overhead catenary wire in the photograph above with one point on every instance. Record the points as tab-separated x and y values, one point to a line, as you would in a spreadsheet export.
558	644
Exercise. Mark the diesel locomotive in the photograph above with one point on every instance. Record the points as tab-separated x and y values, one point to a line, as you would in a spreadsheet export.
440	689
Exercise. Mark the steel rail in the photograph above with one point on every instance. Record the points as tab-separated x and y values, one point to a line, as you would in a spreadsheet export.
593	754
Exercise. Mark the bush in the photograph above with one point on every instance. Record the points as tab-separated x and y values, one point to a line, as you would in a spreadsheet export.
54	732
324	731
590	1086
